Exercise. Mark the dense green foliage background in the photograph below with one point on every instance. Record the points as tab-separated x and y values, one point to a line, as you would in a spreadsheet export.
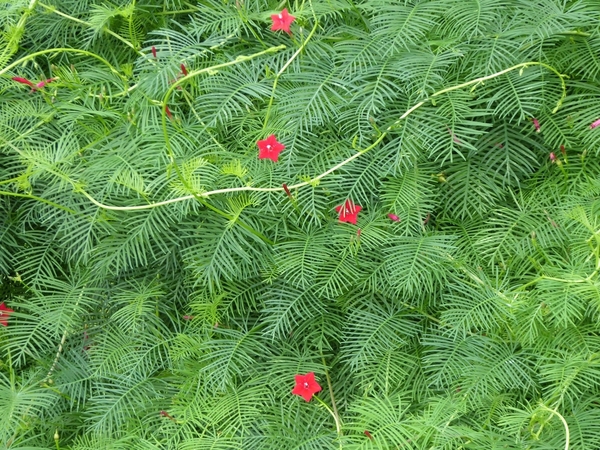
472	323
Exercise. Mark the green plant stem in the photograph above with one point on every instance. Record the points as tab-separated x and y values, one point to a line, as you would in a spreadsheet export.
333	404
39	199
564	422
83	22
17	31
335	418
316	178
64	50
284	68
199	197
62	342
230	190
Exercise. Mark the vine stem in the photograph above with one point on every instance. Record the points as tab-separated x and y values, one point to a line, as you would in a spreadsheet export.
285	66
62	343
338	426
335	412
83	22
39	199
564	422
65	50
171	154
240	59
17	31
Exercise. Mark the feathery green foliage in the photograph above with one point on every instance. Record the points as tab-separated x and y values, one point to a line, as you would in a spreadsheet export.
166	290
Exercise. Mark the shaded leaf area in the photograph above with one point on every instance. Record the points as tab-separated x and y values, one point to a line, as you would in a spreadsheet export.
151	312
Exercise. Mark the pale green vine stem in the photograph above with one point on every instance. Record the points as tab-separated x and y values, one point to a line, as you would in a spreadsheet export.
62	343
170	152
66	50
195	73
564	422
285	66
336	414
338	426
229	190
240	59
18	29
83	22
327	172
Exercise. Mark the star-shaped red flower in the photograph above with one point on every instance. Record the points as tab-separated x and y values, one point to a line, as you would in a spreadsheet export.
306	386
269	148
348	212
282	21
5	311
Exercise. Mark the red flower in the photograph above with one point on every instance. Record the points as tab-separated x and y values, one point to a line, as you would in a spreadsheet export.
552	156
184	70
269	148
536	124
168	111
282	21
348	212
306	386
562	150
5	311
367	434
154	51
394	217
592	126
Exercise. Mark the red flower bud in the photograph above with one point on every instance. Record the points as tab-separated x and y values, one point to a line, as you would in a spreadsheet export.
184	70
592	126
43	83
562	150
287	191
394	217
536	124
23	81
154	51
552	156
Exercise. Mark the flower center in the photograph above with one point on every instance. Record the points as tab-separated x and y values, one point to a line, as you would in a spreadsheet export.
269	147
305	385
280	16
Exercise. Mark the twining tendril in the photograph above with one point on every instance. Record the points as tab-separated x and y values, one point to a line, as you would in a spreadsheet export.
201	196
